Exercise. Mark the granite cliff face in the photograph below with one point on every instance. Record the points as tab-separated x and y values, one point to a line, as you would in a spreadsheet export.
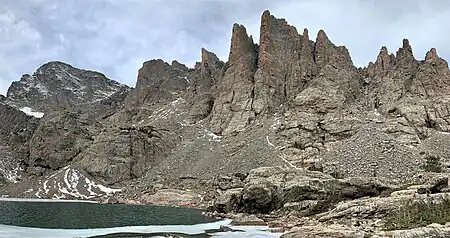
291	100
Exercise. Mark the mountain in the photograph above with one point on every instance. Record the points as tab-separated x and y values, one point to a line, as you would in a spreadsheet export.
57	85
47	116
289	102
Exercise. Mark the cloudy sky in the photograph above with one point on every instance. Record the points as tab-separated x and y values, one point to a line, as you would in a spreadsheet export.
117	36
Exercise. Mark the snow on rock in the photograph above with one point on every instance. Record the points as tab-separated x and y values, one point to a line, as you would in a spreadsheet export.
70	183
70	85
212	136
165	112
276	123
31	112
10	171
268	141
376	113
289	164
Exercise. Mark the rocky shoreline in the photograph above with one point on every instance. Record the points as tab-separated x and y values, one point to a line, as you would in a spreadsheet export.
303	203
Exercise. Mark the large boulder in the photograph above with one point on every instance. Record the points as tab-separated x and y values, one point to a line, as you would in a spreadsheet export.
268	189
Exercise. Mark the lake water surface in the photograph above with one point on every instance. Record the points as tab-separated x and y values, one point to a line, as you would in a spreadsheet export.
31	219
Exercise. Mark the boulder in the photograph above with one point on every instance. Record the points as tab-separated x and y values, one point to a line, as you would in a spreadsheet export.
272	188
434	185
325	231
172	197
244	220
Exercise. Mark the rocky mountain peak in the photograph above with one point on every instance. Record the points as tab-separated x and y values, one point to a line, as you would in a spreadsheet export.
305	33
437	62
406	46
177	65
328	53
432	77
211	67
307	64
209	62
241	44
405	55
232	109
53	67
2	99
322	38
383	64
323	49
158	81
56	84
273	33
431	55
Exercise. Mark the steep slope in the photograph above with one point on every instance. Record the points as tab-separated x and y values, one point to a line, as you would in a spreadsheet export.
410	101
15	131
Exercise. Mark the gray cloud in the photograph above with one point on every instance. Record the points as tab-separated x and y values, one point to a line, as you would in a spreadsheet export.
116	37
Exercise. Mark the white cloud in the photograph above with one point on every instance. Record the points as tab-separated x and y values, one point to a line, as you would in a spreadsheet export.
20	48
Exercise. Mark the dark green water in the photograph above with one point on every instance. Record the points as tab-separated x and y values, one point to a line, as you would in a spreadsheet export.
74	215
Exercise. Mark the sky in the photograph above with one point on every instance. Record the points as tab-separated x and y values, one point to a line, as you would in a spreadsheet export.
116	36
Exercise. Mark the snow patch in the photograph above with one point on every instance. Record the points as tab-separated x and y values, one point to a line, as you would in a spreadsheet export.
46	189
31	112
376	113
164	112
276	123
37	194
268	141
56	196
214	137
10	174
287	162
178	101
92	184
108	93
42	89
211	136
106	189
281	157
70	183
